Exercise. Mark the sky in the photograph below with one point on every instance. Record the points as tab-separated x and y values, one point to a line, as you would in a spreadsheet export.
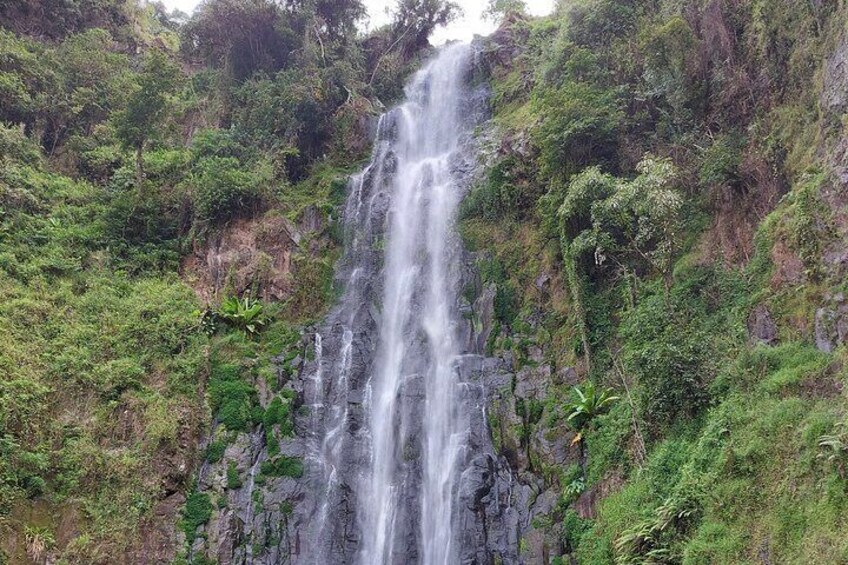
463	29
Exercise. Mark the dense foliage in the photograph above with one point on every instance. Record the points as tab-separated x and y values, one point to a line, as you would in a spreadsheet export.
131	138
661	223
660	212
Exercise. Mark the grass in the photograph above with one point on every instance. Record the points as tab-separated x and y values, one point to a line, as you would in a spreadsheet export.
99	370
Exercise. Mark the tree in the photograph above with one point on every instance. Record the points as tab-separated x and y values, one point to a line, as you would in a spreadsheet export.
242	37
415	20
91	78
56	19
147	105
498	10
635	224
336	18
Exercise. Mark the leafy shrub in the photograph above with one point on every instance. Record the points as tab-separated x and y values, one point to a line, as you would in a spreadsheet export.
142	230
581	127
221	143
231	398
599	22
197	511
573	528
166	167
14	145
283	466
588	403
721	161
215	451
279	413
672	72
667	356
223	189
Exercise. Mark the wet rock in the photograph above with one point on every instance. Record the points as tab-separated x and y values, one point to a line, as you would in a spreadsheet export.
761	326
831	324
484	317
532	382
316	518
553	445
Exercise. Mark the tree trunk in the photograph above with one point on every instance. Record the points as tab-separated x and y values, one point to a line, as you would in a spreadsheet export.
139	166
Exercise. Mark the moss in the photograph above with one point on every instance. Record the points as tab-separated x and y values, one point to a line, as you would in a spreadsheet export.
233	478
197	512
283	466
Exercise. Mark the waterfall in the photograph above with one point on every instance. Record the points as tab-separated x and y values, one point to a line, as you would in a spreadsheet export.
390	390
393	434
419	306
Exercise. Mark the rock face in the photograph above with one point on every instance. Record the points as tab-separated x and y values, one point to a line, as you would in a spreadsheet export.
831	329
761	326
319	517
245	251
257	254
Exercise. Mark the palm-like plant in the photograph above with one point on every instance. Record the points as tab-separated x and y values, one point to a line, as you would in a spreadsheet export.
835	447
588	403
245	314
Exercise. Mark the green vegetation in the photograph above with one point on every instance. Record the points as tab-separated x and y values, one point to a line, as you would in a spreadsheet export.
658	184
243	314
588	404
198	510
215	451
233	479
131	142
283	466
663	175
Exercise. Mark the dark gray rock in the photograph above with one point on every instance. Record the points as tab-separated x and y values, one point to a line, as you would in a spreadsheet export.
831	324
314	519
761	326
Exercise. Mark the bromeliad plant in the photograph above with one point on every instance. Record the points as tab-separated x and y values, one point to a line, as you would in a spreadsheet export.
244	314
587	403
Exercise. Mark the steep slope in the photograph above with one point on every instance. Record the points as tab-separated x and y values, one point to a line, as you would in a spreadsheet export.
649	312
663	228
169	189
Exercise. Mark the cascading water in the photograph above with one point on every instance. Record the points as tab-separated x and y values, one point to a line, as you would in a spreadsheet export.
393	432
391	392
417	332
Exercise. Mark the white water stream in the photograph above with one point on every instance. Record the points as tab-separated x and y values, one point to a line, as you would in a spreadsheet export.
418	328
